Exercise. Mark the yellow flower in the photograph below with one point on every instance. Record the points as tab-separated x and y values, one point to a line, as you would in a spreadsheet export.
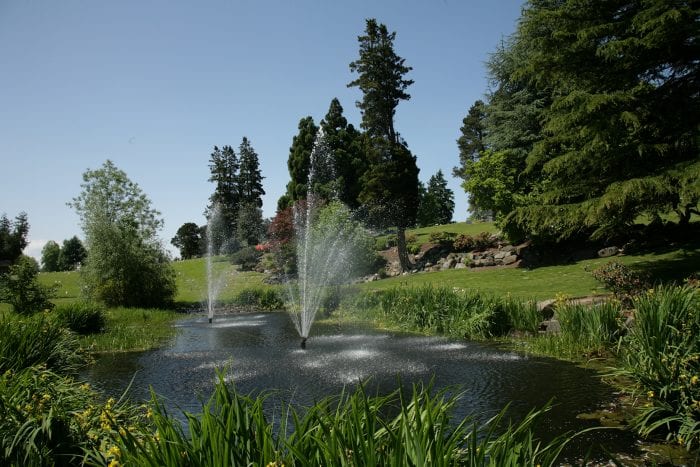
113	463
650	394
694	380
149	413
680	440
114	452
85	386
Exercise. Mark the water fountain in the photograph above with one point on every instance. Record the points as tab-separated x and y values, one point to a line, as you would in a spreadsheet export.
324	239
215	280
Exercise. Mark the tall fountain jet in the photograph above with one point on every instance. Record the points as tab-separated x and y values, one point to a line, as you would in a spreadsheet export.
322	249
215	280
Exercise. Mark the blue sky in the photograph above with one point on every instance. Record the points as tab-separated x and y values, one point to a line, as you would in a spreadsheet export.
154	85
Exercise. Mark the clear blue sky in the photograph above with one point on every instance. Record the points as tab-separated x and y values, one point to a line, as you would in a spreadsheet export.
154	85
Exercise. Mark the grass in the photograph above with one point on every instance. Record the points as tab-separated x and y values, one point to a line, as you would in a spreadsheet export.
573	280
423	234
132	329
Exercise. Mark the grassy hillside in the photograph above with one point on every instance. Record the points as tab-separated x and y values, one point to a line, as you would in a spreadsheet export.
423	234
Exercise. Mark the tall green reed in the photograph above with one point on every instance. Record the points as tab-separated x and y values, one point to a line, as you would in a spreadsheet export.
661	355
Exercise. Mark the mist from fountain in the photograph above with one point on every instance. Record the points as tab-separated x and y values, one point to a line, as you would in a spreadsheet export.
215	279
323	243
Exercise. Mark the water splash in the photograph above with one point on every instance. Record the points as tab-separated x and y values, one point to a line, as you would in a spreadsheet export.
215	278
324	240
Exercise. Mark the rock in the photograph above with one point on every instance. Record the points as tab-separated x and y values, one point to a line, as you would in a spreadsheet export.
510	259
608	252
460	266
550	326
546	307
448	264
499	255
508	248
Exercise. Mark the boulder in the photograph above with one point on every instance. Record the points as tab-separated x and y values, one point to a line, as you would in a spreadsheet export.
460	266
608	252
499	255
510	259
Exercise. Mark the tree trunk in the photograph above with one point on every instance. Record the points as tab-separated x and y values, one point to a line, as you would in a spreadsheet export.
404	261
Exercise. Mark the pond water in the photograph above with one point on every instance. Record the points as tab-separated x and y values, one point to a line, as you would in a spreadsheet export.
261	351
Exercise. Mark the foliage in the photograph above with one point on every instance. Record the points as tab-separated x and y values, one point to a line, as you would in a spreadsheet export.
661	354
484	241
622	280
343	142
250	227
586	332
132	329
73	254
406	427
81	317
390	183
13	237
20	287
260	298
49	419
281	235
188	239
247	258
619	135
50	255
224	202
452	312
299	162
436	203
37	340
126	264
250	179
463	242
442	237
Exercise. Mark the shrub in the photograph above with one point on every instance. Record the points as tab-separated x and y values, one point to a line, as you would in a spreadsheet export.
81	317
413	249
247	258
20	288
260	298
463	242
442	238
622	280
37	340
484	241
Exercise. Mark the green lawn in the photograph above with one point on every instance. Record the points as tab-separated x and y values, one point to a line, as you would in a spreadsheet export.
423	234
545	282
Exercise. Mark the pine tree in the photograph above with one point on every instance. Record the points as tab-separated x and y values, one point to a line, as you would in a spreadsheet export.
224	167
13	237
471	143
390	184
342	140
298	162
443	196
250	179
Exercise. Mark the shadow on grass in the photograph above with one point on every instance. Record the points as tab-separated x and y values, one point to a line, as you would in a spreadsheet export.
677	266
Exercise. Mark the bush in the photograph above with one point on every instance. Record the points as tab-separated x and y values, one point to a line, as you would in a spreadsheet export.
622	280
442	238
82	317
260	298
20	288
413	249
484	241
463	242
247	258
37	340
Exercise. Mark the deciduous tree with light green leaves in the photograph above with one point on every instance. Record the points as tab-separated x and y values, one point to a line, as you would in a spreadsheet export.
126	263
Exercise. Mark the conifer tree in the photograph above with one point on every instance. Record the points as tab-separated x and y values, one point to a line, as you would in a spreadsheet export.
224	167
390	184
298	162
250	179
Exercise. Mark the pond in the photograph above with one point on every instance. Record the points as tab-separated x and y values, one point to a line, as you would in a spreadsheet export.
261	351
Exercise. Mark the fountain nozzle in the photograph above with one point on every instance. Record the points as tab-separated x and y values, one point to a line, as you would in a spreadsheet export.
209	320
303	342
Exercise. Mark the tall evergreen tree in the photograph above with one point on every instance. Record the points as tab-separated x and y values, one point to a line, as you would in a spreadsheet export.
390	184
621	134
471	142
299	162
250	179
13	237
444	198
342	140
224	167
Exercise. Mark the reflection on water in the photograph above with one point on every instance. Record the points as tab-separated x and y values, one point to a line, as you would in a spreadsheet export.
261	352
